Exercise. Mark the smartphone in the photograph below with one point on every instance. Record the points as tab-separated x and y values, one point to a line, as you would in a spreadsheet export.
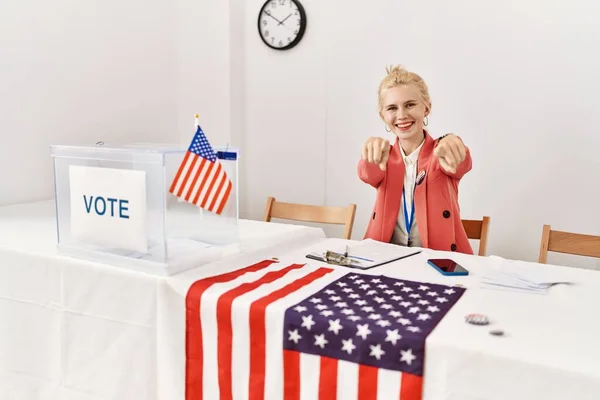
447	267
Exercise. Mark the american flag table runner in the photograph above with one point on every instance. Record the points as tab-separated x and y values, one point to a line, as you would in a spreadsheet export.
274	331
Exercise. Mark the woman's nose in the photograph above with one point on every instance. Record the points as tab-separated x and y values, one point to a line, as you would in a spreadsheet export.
401	114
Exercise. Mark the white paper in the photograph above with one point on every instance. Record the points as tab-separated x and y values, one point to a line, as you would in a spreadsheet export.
523	279
108	207
368	252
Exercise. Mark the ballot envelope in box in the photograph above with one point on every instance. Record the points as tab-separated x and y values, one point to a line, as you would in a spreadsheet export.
144	206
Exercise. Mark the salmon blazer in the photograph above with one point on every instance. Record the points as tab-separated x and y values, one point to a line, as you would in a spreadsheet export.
437	212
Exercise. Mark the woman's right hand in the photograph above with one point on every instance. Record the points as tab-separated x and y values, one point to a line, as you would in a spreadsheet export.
376	150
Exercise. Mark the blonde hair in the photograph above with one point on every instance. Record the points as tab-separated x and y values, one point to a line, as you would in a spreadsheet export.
398	75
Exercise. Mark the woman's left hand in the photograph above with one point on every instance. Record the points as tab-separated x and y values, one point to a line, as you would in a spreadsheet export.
450	152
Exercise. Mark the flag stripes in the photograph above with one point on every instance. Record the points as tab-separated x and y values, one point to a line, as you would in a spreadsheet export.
234	336
201	178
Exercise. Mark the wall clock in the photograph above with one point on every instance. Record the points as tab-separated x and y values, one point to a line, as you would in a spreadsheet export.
281	23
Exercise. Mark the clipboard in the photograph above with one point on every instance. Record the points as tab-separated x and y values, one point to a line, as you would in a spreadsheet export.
345	260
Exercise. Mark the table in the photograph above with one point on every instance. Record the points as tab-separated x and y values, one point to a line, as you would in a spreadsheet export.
72	329
549	350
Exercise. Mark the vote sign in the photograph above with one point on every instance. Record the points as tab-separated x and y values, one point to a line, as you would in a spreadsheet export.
108	207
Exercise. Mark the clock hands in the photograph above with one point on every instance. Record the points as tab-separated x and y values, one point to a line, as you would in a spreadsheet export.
269	14
281	22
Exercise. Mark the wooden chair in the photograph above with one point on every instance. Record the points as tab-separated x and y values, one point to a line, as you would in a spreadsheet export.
568	243
478	229
311	213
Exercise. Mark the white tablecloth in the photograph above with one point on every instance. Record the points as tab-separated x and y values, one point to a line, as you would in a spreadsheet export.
78	330
549	351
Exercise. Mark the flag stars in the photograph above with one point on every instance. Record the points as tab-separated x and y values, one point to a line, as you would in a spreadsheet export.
423	317
365	318
392	336
294	336
320	340
307	322
363	331
407	356
376	351
348	346
335	326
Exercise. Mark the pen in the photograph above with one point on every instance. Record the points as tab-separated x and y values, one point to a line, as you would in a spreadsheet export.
361	258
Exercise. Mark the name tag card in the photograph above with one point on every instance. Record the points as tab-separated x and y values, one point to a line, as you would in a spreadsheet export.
108	207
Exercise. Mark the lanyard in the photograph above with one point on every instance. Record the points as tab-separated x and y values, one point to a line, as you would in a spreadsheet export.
408	222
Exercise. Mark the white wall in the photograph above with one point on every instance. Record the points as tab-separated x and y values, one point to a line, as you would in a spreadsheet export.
203	43
517	80
79	72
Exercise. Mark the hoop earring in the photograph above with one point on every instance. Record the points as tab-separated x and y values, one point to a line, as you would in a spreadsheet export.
386	128
426	121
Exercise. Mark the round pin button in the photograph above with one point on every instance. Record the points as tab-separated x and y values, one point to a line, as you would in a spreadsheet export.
497	332
477	319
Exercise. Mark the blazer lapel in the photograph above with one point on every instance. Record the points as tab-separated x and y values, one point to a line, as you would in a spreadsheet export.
393	193
421	190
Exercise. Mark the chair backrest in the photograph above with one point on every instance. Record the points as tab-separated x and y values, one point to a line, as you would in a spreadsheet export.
478	229
568	243
312	213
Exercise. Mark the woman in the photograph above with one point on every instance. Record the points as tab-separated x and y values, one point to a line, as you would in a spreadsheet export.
417	178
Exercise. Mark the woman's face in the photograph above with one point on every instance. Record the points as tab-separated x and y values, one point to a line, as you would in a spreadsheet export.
403	111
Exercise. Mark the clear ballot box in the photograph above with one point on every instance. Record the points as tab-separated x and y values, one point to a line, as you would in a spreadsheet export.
114	205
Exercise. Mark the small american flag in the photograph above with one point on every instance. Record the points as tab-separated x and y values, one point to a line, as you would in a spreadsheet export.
273	331
201	179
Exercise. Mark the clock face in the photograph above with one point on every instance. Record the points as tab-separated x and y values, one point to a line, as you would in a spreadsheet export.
281	23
